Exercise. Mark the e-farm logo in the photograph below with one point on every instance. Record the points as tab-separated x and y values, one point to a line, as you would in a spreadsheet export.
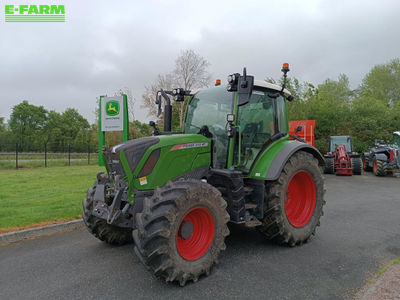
112	108
34	13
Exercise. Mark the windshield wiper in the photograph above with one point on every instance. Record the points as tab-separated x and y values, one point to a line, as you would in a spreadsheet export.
190	125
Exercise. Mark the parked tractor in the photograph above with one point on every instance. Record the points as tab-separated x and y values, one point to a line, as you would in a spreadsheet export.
174	193
384	158
340	159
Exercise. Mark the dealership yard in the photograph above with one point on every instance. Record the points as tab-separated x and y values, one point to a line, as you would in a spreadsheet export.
359	233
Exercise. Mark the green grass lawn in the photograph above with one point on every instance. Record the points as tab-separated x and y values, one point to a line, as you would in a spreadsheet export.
31	196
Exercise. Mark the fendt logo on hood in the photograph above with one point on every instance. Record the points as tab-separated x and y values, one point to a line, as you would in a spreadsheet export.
112	108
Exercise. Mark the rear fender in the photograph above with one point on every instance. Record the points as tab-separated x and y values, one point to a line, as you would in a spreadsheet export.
381	156
270	164
283	156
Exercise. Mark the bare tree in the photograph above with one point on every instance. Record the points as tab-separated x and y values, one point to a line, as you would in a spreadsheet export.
190	72
131	101
165	82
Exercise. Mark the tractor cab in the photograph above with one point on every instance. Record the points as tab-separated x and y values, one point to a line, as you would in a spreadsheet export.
252	125
396	139
340	140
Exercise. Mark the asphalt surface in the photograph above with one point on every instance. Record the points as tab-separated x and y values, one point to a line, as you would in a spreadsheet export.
359	233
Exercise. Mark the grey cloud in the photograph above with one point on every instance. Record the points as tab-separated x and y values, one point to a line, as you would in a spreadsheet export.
105	45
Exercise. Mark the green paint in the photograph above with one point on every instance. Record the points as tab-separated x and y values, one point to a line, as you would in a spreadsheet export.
102	136
263	163
112	108
232	140
128	173
172	162
125	132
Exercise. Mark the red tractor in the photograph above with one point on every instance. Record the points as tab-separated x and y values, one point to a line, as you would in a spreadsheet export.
340	159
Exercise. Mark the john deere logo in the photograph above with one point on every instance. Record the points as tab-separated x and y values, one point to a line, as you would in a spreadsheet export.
112	108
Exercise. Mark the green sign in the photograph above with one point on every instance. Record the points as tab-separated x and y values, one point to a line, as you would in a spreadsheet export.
34	13
112	108
113	116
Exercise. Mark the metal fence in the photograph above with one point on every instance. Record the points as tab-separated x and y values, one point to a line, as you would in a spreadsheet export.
70	155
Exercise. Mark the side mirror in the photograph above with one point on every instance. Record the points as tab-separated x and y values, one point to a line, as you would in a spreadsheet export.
243	84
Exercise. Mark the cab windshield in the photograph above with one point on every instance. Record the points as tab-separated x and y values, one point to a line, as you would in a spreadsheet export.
396	140
340	140
210	107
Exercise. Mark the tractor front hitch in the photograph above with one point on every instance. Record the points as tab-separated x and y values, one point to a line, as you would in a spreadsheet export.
119	211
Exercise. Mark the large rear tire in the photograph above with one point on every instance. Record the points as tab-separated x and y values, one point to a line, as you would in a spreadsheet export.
181	230
329	165
100	228
379	168
356	165
295	201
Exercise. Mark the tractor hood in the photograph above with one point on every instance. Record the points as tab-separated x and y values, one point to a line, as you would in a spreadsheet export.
134	149
163	158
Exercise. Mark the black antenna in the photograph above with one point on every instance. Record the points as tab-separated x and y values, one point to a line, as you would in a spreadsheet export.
285	69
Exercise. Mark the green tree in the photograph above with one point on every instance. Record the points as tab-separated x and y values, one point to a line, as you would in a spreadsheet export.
366	124
383	83
301	92
330	107
26	123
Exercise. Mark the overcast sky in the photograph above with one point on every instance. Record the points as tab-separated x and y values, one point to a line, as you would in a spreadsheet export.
107	45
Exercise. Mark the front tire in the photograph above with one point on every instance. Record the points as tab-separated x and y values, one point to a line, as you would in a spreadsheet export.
379	168
329	165
181	230
295	203
356	165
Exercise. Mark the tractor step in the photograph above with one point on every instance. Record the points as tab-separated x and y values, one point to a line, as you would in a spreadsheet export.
250	206
248	190
252	223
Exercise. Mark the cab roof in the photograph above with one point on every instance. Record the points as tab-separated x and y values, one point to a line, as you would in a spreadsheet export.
272	86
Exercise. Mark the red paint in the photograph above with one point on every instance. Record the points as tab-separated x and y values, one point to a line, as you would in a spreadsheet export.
198	244
301	199
307	131
391	155
342	161
188	146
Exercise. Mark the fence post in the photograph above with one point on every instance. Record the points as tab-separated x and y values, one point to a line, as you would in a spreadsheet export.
88	152
16	155
69	155
45	155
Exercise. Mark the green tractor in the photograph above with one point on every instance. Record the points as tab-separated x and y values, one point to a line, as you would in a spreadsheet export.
173	193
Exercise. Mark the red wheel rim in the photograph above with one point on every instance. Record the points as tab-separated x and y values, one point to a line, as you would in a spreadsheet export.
301	199
195	246
375	166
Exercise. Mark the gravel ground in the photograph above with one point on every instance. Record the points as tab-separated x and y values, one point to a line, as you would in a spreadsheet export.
385	287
